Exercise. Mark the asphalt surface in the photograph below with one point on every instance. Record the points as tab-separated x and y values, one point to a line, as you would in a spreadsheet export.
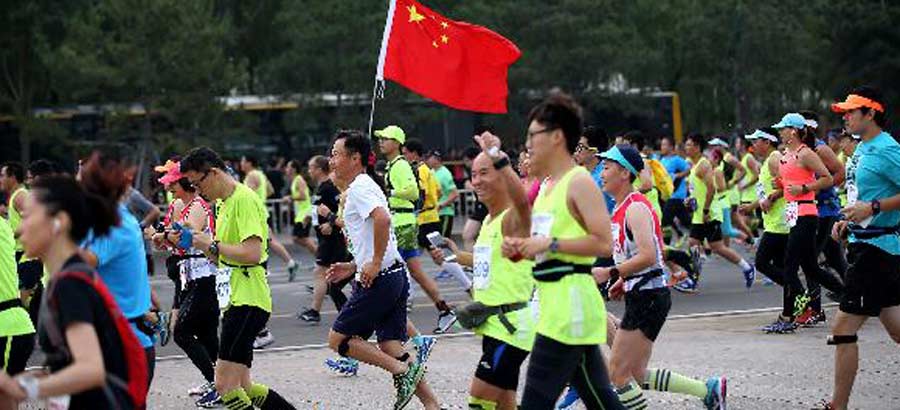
722	290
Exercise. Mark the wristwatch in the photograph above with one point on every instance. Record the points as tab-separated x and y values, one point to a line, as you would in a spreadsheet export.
554	245
501	163
214	248
30	385
614	272
876	207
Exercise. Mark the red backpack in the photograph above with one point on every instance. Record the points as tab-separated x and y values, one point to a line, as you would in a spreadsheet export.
135	358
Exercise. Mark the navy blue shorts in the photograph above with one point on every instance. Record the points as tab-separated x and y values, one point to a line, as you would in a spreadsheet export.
378	309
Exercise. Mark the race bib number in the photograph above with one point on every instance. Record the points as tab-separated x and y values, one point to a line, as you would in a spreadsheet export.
314	216
481	268
618	251
58	402
760	191
541	223
791	212
223	287
852	194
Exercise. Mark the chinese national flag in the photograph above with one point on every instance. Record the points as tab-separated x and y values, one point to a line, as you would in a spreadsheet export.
457	64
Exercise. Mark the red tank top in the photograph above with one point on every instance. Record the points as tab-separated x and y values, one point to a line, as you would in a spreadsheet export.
792	173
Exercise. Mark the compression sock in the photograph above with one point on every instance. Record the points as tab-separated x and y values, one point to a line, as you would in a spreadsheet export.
267	399
481	404
458	273
631	396
666	380
237	400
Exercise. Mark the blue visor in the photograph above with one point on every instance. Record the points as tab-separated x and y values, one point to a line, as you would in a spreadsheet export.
614	154
791	120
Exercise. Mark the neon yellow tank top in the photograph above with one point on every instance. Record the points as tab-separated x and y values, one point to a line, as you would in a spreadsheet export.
263	189
748	194
773	221
15	218
500	281
571	309
303	208
652	196
698	192
14	321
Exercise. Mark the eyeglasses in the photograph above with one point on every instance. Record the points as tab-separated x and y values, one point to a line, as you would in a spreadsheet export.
584	147
196	184
531	134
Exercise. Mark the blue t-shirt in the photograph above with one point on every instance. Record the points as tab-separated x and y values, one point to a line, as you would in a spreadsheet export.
675	164
123	266
598	179
874	169
827	199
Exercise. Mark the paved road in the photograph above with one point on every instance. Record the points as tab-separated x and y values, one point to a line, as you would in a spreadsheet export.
722	290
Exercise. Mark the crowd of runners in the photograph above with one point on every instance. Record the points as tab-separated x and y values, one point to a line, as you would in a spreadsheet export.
577	219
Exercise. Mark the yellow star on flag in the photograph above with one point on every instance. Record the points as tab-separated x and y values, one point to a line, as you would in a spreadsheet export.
414	16
444	24
445	39
434	43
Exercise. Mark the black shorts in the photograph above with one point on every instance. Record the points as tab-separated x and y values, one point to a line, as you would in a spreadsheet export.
426	229
240	325
378	309
14	352
301	229
30	273
479	213
872	282
646	310
330	252
500	364
447	225
711	231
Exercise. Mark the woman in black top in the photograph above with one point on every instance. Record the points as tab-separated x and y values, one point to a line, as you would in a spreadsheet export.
87	355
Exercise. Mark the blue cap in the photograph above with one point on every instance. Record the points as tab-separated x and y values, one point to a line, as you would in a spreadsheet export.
626	156
791	120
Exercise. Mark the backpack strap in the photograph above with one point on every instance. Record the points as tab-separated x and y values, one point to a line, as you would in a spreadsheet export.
135	357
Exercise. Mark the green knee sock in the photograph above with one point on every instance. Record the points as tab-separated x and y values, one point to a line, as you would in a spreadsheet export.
237	400
481	404
257	394
631	396
666	380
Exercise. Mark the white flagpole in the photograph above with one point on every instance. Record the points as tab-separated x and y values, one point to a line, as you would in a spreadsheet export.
378	89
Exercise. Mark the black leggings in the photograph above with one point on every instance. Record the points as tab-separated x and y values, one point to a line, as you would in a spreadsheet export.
553	365
197	325
336	293
802	252
835	258
770	256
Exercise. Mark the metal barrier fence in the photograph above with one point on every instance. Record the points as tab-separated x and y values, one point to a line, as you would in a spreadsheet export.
281	214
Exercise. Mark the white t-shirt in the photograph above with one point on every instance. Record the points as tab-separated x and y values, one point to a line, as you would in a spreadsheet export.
363	197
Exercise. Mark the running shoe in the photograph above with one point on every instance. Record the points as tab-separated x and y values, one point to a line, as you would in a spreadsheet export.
766	281
210	400
343	366
445	320
569	400
716	390
824	405
780	326
263	339
423	345
810	318
162	327
676	278
749	276
406	383
292	268
310	316
801	303
201	389
688	285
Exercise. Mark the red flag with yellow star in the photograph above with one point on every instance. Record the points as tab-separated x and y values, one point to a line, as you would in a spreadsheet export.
457	64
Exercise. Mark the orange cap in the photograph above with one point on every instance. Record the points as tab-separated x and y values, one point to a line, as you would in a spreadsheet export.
854	101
